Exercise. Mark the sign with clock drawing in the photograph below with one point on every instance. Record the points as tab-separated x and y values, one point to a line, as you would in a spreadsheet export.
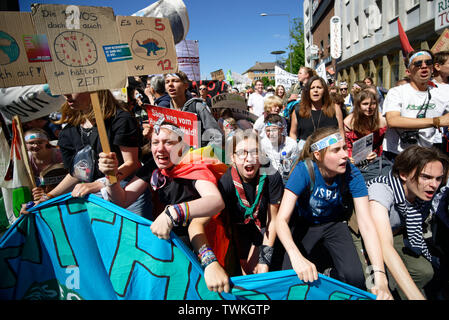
77	38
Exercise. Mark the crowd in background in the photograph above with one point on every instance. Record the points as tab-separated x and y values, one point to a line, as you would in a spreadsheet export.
292	188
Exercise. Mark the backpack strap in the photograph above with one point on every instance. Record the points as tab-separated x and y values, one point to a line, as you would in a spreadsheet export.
311	170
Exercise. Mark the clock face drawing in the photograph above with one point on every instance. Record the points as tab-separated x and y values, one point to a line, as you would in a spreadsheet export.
75	49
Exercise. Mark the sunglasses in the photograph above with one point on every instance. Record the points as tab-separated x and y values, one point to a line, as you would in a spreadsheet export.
418	64
203	88
343	88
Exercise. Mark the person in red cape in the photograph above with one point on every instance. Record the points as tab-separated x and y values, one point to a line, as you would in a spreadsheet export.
186	185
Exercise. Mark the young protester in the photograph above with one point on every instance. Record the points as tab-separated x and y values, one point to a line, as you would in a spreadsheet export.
414	111
80	146
252	200
324	184
364	120
281	150
314	111
176	85
441	80
272	105
280	91
401	206
185	189
304	74
43	156
256	99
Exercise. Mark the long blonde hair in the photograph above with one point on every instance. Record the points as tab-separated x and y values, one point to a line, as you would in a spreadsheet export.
108	105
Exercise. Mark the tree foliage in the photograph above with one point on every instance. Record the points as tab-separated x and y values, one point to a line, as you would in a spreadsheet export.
296	47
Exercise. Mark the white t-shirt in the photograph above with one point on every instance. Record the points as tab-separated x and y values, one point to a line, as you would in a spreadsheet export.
274	153
256	101
259	126
408	101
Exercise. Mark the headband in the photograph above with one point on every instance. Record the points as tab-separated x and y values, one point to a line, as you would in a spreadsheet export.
227	125
36	135
158	126
419	53
172	75
274	124
326	142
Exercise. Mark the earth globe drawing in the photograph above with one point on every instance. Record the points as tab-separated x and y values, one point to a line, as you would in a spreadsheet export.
9	49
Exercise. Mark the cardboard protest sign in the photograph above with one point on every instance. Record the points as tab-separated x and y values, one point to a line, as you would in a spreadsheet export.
21	51
218	75
79	38
442	43
186	121
151	43
28	102
235	103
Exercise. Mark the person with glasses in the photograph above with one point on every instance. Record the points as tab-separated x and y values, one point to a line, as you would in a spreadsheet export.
252	195
414	111
204	94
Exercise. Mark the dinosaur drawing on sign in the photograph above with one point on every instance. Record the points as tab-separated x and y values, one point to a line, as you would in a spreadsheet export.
151	45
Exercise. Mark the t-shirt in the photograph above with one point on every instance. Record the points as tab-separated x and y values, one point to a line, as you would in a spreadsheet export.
383	194
408	101
325	201
122	130
256	101
288	151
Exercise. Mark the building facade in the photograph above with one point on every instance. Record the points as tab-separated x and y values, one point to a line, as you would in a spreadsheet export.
370	38
261	70
317	16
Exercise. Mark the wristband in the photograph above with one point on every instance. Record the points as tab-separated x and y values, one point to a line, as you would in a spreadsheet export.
167	212
265	254
206	256
436	122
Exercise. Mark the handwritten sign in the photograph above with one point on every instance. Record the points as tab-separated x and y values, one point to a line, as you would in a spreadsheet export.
362	148
284	78
186	121
17	39
151	43
442	43
76	37
235	103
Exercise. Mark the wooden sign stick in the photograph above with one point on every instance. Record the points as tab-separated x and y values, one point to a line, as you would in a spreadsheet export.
24	151
101	128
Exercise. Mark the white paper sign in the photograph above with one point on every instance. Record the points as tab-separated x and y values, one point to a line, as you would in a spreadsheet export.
284	78
362	148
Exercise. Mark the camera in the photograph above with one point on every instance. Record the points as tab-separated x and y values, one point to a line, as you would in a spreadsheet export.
409	137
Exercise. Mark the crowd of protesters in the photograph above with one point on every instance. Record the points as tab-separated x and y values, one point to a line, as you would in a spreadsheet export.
291	190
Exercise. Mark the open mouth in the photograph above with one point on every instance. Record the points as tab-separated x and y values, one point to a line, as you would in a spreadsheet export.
163	160
250	169
429	194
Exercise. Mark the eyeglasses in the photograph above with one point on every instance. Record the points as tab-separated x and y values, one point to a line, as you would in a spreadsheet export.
418	64
242	154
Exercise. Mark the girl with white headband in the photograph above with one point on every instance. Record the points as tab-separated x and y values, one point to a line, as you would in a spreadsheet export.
322	187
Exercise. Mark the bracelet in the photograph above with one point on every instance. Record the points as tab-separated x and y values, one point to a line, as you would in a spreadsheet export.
167	212
206	256
374	271
436	122
265	254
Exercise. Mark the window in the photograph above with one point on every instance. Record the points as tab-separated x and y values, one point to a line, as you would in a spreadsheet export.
348	36
394	9
355	33
412	4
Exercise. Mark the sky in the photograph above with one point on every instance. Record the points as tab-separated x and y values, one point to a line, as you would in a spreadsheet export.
231	33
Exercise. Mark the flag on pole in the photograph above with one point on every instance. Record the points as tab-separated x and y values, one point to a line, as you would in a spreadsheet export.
16	184
405	44
229	78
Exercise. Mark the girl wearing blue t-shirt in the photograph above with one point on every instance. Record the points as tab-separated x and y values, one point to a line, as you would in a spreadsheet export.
317	185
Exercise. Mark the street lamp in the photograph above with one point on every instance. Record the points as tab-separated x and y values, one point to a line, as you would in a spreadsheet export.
289	36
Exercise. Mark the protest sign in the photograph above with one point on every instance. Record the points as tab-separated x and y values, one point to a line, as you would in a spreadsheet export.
189	59
362	148
284	78
235	103
442	44
214	87
186	121
28	102
151	43
21	51
79	38
218	75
